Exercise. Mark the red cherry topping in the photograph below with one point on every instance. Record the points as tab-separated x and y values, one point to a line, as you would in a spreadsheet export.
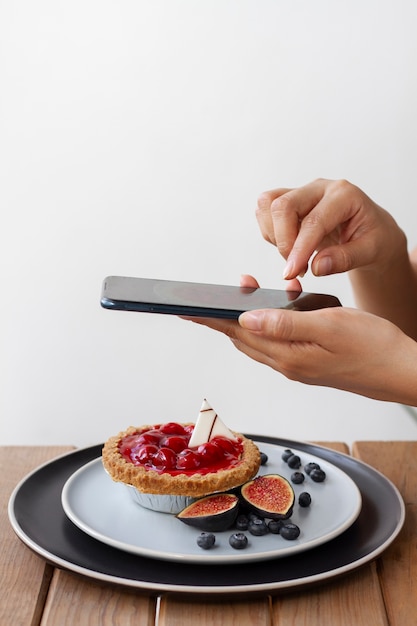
149	437
172	428
175	442
164	448
144	454
227	445
210	453
188	460
165	459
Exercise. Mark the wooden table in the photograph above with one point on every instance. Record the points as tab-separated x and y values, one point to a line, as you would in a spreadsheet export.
380	593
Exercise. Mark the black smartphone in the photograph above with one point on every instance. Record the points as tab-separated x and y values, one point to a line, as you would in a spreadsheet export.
202	300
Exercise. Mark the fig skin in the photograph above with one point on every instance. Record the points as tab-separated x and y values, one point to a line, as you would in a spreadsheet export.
217	512
269	496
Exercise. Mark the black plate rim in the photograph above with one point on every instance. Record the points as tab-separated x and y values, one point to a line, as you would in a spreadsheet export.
340	459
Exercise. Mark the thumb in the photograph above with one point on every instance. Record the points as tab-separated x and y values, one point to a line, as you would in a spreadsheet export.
286	325
273	323
341	258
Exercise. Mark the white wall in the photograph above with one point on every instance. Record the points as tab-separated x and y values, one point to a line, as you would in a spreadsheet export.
136	136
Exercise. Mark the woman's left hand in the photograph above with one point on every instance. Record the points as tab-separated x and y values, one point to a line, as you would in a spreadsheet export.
336	347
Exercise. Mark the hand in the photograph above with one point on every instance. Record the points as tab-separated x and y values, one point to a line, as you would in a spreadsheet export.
334	218
336	347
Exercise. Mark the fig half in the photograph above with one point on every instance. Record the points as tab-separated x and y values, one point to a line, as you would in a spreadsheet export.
212	513
269	496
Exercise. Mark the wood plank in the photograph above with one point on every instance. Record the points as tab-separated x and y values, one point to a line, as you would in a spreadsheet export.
190	612
397	567
353	599
24	577
334	445
75	600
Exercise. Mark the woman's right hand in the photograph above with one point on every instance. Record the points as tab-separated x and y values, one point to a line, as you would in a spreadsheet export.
335	218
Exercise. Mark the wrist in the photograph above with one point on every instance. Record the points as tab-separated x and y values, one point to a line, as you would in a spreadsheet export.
390	253
404	374
391	268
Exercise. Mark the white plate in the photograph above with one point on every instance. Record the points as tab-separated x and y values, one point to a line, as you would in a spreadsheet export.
104	510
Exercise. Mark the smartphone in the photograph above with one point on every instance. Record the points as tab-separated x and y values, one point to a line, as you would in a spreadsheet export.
202	300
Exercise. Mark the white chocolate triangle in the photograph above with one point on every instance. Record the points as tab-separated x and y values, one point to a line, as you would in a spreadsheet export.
208	425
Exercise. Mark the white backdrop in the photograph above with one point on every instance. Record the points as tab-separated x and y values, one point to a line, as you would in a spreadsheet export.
136	136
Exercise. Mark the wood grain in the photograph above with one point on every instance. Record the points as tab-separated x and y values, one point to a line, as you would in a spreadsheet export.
397	567
180	612
354	600
75	601
24	577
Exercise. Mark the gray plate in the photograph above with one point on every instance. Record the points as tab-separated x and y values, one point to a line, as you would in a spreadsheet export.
104	510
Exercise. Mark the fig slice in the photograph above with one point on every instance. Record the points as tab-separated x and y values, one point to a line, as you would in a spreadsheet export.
211	513
270	496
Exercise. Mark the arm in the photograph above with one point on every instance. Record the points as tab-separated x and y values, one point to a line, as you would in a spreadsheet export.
390	292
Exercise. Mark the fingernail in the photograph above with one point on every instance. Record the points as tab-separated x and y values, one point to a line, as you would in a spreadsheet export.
288	270
252	320
323	266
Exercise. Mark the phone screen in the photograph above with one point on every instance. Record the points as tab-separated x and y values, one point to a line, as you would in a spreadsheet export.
201	299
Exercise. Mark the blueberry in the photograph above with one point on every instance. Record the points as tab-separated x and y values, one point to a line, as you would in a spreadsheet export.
258	527
253	516
238	541
294	461
310	466
304	499
242	522
318	475
206	540
290	531
297	478
286	454
264	458
275	525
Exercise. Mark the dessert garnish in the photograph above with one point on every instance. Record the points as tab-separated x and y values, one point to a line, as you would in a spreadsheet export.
212	513
208	426
269	496
206	540
238	541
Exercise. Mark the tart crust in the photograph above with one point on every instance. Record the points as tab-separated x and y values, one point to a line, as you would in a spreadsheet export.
190	484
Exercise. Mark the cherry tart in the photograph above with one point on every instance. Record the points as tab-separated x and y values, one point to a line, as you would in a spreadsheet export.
157	460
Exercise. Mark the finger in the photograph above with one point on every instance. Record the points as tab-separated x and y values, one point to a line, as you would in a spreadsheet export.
294	288
342	258
225	326
248	281
280	213
257	355
289	326
330	212
263	213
